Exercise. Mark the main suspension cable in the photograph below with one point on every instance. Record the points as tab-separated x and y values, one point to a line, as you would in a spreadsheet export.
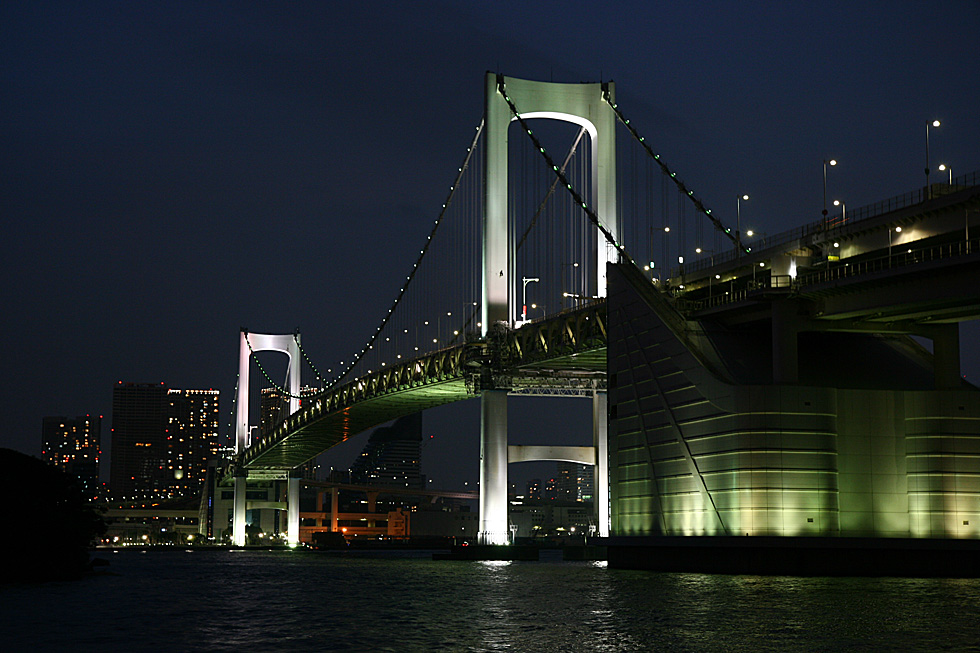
667	171
589	211
408	279
282	391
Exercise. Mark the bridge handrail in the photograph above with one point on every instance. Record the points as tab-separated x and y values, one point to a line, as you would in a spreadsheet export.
840	271
875	209
894	260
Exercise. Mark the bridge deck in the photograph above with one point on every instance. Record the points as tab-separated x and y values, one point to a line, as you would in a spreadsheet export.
566	350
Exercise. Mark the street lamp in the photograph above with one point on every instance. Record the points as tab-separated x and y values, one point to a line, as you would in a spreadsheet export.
898	230
651	268
843	210
751	233
738	222
934	123
826	162
943	166
573	267
526	280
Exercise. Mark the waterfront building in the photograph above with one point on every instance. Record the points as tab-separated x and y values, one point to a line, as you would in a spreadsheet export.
534	489
392	455
574	482
74	445
192	438
139	441
162	440
550	518
550	491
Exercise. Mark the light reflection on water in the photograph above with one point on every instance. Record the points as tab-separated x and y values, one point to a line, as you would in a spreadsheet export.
297	601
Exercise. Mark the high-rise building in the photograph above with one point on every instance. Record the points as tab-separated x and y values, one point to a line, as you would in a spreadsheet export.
139	441
162	440
273	409
550	491
574	482
392	455
74	445
192	438
534	489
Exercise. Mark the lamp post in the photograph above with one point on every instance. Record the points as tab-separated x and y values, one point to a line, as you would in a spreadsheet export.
572	268
652	269
826	162
943	166
711	253
843	210
898	230
934	123
526	281
738	222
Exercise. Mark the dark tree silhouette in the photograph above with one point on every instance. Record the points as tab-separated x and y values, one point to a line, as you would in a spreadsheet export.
49	524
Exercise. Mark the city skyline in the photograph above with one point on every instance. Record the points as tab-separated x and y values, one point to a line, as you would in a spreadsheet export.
169	168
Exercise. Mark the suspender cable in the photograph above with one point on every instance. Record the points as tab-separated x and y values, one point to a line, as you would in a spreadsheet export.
551	190
673	175
590	212
411	276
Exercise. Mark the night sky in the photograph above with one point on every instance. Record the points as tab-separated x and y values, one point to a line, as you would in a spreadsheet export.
172	172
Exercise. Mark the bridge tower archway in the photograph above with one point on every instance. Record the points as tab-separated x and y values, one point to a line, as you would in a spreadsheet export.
255	342
250	343
583	105
580	104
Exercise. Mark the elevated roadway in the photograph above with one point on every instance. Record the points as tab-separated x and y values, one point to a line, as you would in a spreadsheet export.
564	353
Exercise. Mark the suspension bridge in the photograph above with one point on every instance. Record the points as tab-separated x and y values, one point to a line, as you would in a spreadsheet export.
511	292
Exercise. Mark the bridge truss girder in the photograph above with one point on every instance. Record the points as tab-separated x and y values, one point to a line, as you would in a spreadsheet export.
562	354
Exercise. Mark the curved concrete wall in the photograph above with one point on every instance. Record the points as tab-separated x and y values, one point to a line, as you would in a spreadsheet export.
694	453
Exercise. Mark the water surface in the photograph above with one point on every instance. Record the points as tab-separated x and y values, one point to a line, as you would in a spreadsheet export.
177	600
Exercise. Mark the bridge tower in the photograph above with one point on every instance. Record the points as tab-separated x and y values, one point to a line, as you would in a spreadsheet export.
250	343
583	105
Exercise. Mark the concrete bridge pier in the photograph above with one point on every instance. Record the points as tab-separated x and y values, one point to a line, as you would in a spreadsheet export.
785	342
600	440
946	355
238	511
292	510
493	468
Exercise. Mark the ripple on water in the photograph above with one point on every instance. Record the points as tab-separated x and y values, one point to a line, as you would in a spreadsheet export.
297	601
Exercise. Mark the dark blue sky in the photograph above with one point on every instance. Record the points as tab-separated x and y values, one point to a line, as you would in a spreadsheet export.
173	171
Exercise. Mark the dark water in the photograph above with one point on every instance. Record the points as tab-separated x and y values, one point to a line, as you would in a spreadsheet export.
301	601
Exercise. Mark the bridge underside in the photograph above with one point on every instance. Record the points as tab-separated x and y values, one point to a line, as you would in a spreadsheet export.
338	425
562	355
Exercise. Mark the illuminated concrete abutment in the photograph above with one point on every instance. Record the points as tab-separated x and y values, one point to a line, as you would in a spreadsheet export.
704	442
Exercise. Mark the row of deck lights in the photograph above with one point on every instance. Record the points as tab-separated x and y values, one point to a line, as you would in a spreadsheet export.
680	259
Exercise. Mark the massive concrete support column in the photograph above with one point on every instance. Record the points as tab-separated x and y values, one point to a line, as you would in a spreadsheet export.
238	512
334	509
600	438
493	468
785	347
946	355
292	511
497	258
